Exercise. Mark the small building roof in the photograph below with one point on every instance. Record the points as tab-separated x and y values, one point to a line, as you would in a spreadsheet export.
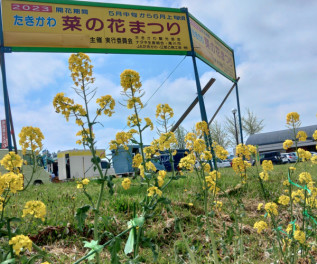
274	140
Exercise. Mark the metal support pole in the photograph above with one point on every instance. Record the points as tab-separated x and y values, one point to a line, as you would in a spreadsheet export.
223	101
238	101
199	94
4	84
239	114
207	86
234	111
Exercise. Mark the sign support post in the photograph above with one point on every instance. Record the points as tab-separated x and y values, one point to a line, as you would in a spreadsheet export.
4	84
238	103
199	93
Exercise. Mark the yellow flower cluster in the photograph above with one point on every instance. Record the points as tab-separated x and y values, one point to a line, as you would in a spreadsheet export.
305	177
206	155
137	160
300	236
284	200
81	69
202	128
130	79
66	106
260	226
20	242
211	184
154	190
149	123
292	118
12	162
304	154
106	104
82	183
133	120
31	137
240	167
187	162
315	135
264	175
297	196
267	165
245	151
287	144
199	146
166	141
11	182
164	111
221	153
134	102
149	151
122	139
301	135
84	134
126	183
35	208
271	208
161	177
314	159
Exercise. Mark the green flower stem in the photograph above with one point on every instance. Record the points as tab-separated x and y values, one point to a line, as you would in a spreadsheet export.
103	246
190	252
9	234
43	252
279	238
34	170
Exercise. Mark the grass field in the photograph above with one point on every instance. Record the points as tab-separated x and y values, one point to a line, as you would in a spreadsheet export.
59	233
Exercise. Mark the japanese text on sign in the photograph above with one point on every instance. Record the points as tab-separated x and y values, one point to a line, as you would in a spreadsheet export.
212	50
30	24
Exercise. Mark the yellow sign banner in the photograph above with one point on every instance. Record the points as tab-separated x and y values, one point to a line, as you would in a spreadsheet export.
39	24
212	50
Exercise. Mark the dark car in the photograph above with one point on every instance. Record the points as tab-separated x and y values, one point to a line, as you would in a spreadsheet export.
273	156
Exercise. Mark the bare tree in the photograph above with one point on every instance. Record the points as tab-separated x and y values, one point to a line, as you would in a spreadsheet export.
180	136
251	124
219	134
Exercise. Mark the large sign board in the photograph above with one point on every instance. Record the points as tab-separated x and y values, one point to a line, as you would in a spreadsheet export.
212	50
94	27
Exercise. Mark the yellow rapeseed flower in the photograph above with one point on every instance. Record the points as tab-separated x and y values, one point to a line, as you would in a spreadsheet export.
126	183
301	135
287	144
106	104
271	208
267	165
130	79
35	208
12	162
164	111
149	123
85	181
260	226
304	154
315	135
137	160
305	177
292	118
154	190
260	205
300	236
20	242
297	196
202	128
264	176
284	200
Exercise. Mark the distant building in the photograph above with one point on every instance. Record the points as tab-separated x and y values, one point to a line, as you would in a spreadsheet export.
273	141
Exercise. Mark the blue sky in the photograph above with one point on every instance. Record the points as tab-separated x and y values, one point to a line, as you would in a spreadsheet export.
275	47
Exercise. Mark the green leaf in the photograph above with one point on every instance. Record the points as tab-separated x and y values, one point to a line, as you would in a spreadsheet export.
115	247
93	245
130	242
8	261
81	215
134	141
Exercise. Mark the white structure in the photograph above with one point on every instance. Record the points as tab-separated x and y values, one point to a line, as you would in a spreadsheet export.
77	164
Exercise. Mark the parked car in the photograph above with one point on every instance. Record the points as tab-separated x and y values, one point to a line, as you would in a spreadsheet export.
284	158
223	163
273	156
292	157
